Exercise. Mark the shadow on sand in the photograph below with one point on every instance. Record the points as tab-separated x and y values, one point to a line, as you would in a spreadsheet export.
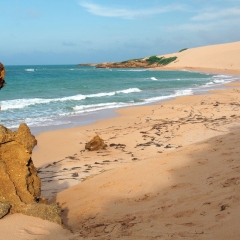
190	193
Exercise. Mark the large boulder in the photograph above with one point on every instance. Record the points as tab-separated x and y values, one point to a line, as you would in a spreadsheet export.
20	190
18	176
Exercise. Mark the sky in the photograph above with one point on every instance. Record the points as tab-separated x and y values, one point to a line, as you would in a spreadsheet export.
43	32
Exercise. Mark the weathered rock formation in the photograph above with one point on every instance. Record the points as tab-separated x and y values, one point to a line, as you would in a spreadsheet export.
2	75
148	62
95	144
141	63
18	176
20	189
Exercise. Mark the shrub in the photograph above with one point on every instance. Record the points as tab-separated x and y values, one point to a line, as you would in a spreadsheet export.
183	49
166	61
161	60
153	59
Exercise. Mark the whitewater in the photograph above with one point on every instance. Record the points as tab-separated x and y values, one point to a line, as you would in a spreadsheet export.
50	97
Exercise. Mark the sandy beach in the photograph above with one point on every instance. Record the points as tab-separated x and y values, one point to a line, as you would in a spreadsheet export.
170	170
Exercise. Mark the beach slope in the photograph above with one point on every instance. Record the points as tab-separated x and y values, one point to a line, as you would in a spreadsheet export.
190	193
215	58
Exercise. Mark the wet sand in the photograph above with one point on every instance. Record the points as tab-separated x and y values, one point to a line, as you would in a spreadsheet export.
137	134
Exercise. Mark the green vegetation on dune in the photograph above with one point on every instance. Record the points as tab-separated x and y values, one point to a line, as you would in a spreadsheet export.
149	61
161	60
153	59
183	49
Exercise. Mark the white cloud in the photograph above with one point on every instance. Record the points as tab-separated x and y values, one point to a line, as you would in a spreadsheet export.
98	10
223	29
211	19
190	27
217	14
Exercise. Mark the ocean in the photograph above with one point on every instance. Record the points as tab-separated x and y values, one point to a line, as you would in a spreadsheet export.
60	96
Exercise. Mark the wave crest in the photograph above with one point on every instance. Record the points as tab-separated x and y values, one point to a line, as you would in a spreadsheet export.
22	103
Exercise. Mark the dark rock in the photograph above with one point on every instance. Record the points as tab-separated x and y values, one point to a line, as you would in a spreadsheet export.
119	145
75	174
2	75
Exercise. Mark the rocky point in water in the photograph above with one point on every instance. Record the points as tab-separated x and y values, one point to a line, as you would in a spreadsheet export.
148	62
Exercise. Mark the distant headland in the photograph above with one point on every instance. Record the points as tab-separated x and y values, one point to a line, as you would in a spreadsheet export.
148	62
215	58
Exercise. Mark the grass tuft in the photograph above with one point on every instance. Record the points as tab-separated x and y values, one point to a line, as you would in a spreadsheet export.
183	49
161	60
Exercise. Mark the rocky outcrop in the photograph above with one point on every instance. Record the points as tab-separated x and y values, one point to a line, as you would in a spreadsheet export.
86	64
18	176
143	63
149	62
95	144
2	75
20	185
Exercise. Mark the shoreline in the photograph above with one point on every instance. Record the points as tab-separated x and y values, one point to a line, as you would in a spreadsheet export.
56	157
114	113
93	117
231	72
175	162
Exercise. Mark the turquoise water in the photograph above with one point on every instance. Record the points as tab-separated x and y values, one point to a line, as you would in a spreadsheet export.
70	95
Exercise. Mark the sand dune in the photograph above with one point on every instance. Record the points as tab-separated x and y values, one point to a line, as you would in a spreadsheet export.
171	170
216	58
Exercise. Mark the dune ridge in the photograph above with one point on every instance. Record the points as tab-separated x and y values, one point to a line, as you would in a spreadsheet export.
215	58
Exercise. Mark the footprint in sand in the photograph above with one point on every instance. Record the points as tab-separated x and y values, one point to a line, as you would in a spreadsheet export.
35	231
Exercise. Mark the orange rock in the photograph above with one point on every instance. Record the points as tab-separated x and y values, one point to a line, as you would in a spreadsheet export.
18	176
20	189
95	144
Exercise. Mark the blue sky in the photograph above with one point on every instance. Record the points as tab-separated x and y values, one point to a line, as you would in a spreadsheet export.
91	31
